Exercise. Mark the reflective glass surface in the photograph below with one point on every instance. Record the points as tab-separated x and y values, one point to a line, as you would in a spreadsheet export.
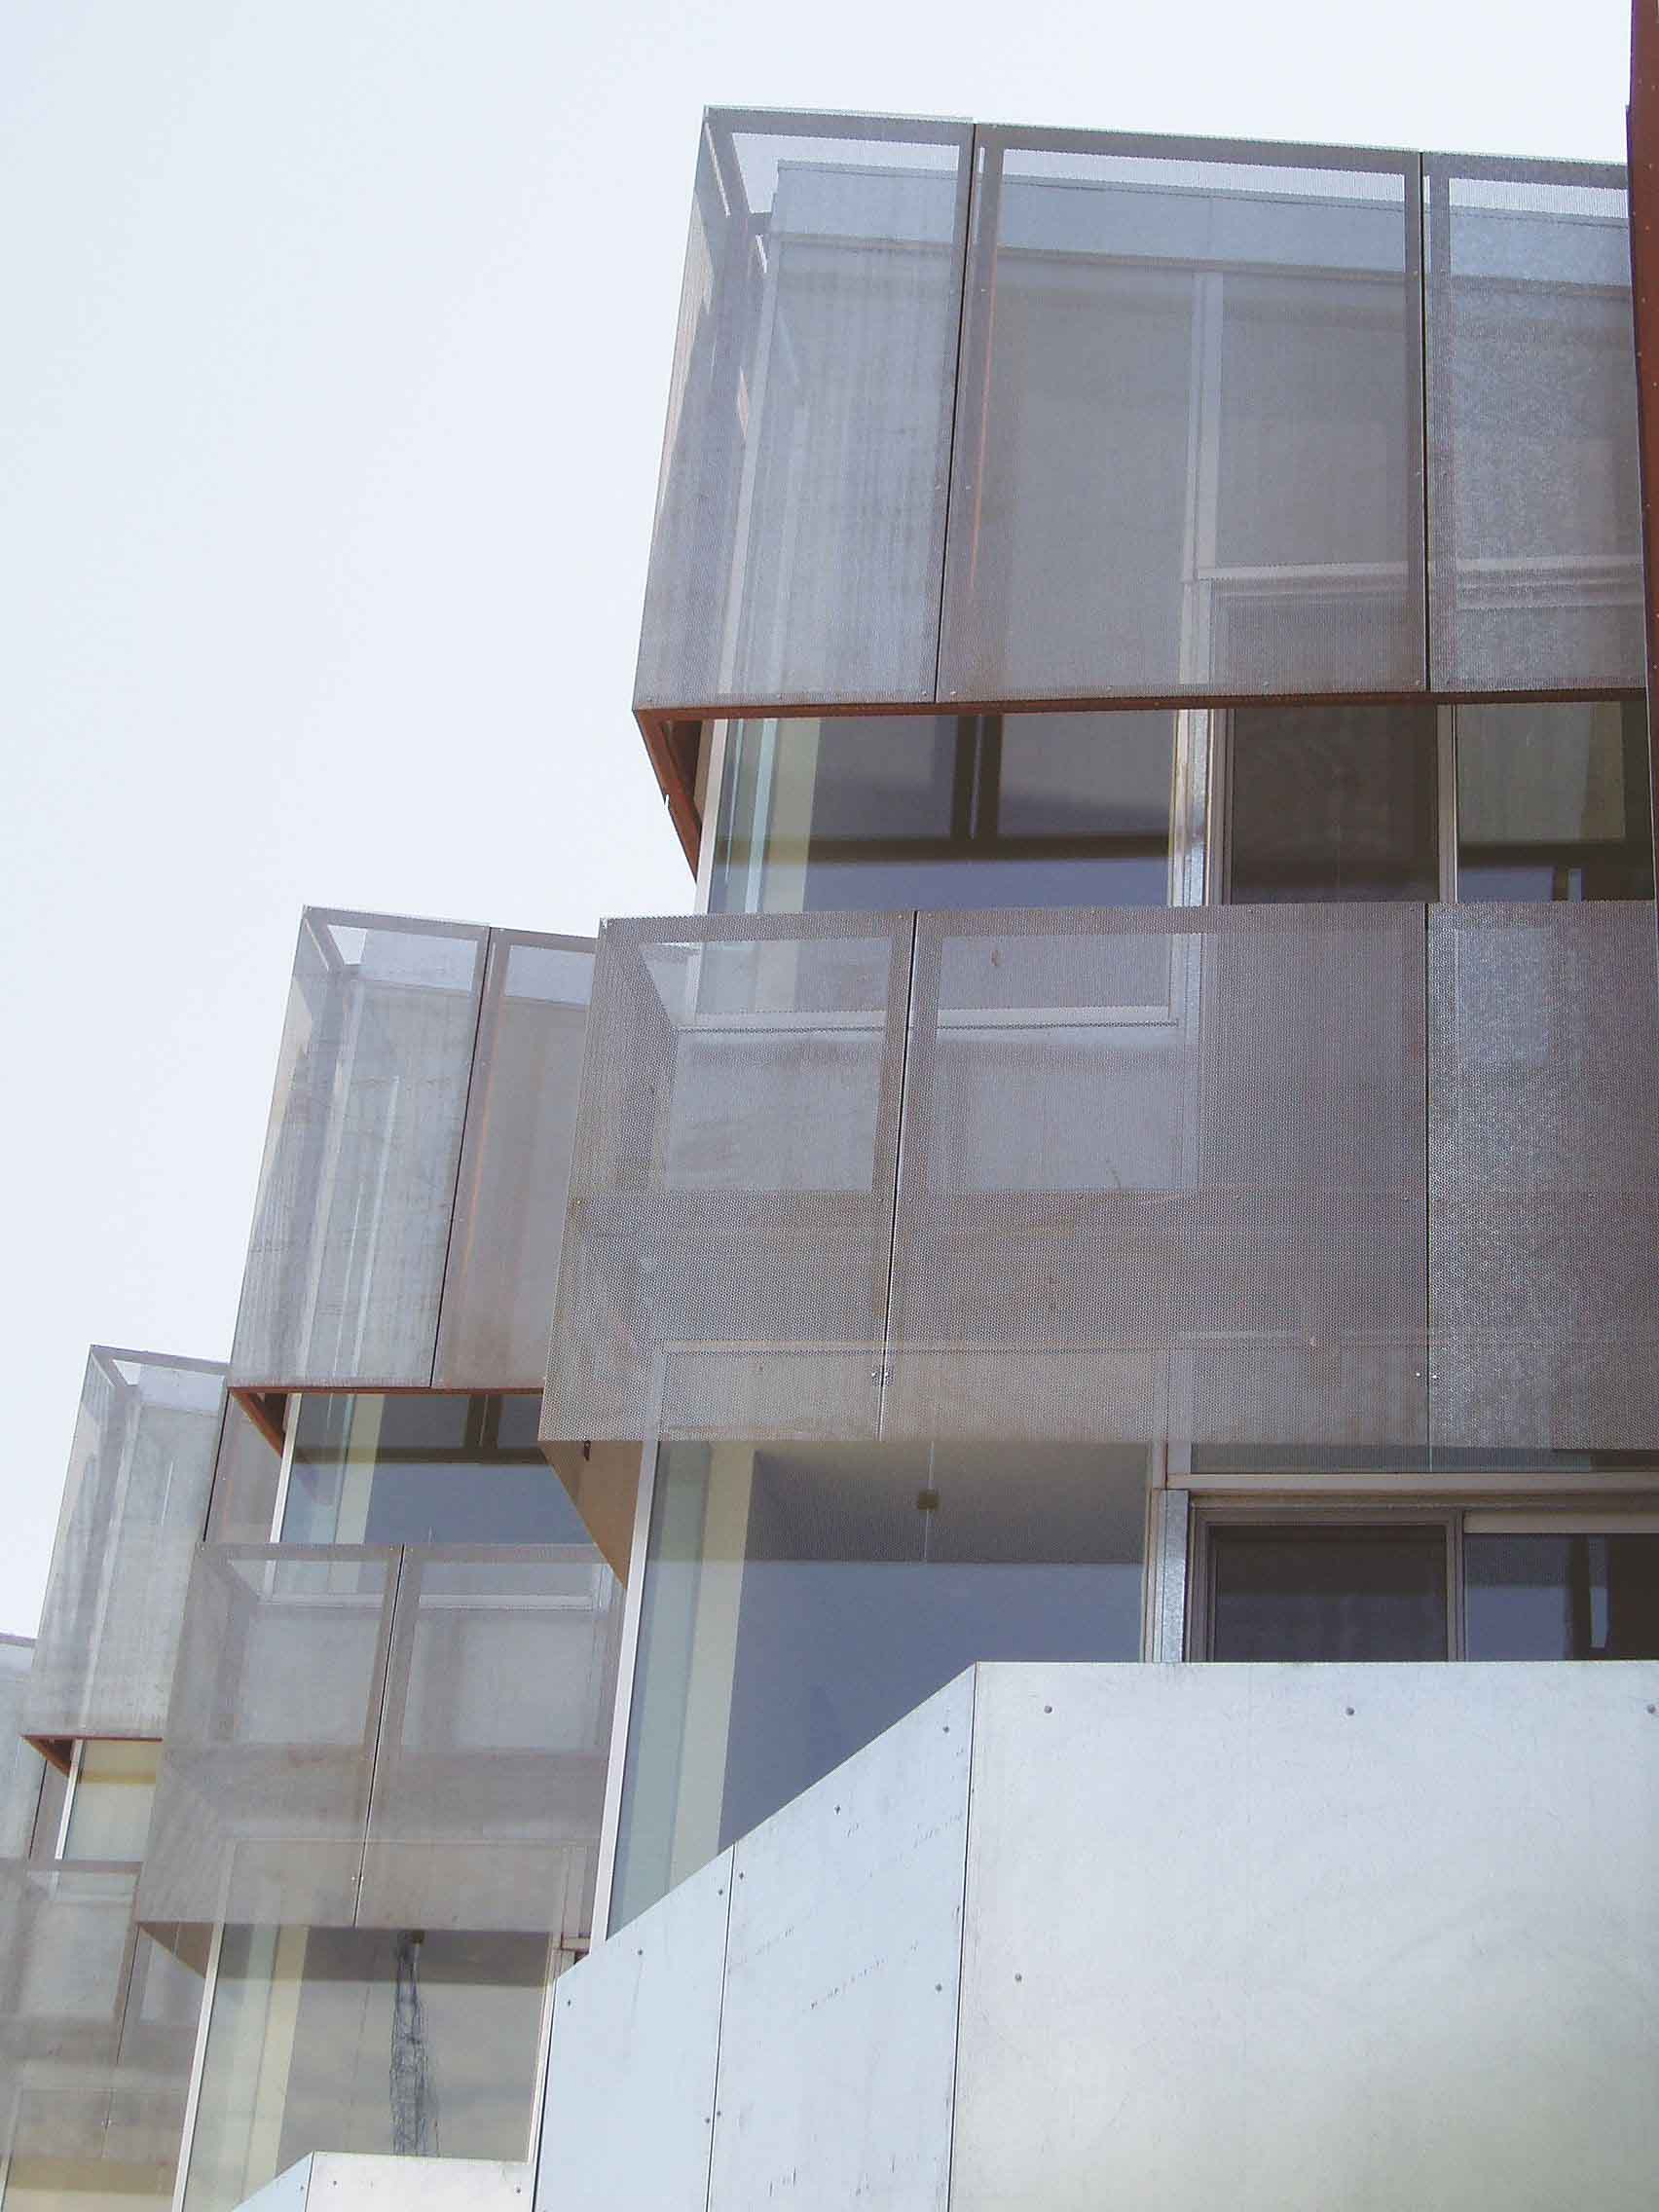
1565	1597
395	2040
1354	1594
1333	803
799	1600
1553	802
115	1788
422	1468
863	812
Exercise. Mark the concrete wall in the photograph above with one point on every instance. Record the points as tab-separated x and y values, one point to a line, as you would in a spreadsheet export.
1278	1938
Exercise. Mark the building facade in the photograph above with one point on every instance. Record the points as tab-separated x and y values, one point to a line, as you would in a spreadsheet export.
1016	1468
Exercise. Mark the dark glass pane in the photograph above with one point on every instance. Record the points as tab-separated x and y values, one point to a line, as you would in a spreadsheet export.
1569	1597
854	813
1333	803
1553	802
799	1600
1359	1593
426	1468
371	2041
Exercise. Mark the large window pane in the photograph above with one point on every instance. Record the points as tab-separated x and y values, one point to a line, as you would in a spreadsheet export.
859	813
1565	1597
797	1602
1333	803
115	1787
1354	1594
426	1468
390	2040
1187	450
1553	802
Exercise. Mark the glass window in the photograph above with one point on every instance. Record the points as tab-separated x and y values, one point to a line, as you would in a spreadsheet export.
423	1468
246	1478
866	813
390	2040
1333	803
114	1789
1553	802
1328	1593
1561	1597
798	1600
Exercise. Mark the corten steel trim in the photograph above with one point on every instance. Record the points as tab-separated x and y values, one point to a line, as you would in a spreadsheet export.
670	747
1641	140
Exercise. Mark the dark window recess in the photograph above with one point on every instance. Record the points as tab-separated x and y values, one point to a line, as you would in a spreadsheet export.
1568	1597
866	813
1553	802
425	1468
1333	803
1354	1594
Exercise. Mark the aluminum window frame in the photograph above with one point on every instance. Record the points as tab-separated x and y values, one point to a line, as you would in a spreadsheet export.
1194	768
1554	1514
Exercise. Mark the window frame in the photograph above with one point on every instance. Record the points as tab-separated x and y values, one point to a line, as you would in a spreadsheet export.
1460	1516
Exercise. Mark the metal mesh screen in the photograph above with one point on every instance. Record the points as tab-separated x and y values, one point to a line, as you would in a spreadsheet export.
726	1259
1162	1178
134	1506
502	1267
372	1737
356	1187
1535	514
98	2026
263	1796
1544	1194
1187	446
20	1764
489	1778
801	513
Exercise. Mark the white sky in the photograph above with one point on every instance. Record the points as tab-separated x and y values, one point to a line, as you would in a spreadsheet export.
336	345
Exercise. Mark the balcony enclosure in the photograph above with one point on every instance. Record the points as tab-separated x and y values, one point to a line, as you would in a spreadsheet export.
972	417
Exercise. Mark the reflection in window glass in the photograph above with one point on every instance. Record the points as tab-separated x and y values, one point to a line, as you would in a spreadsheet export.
423	1468
1332	803
109	1813
1567	1597
390	2041
1553	802
799	1600
868	812
1305	1594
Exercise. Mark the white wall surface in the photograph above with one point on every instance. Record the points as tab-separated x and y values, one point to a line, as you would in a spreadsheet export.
1282	1939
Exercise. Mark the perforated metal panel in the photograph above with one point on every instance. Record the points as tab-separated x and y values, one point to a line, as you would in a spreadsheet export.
801	513
1534	512
379	1738
725	1270
1162	1178
20	1764
262	1798
346	1261
97	2023
490	1777
502	1267
1544	1177
1187	443
134	1506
